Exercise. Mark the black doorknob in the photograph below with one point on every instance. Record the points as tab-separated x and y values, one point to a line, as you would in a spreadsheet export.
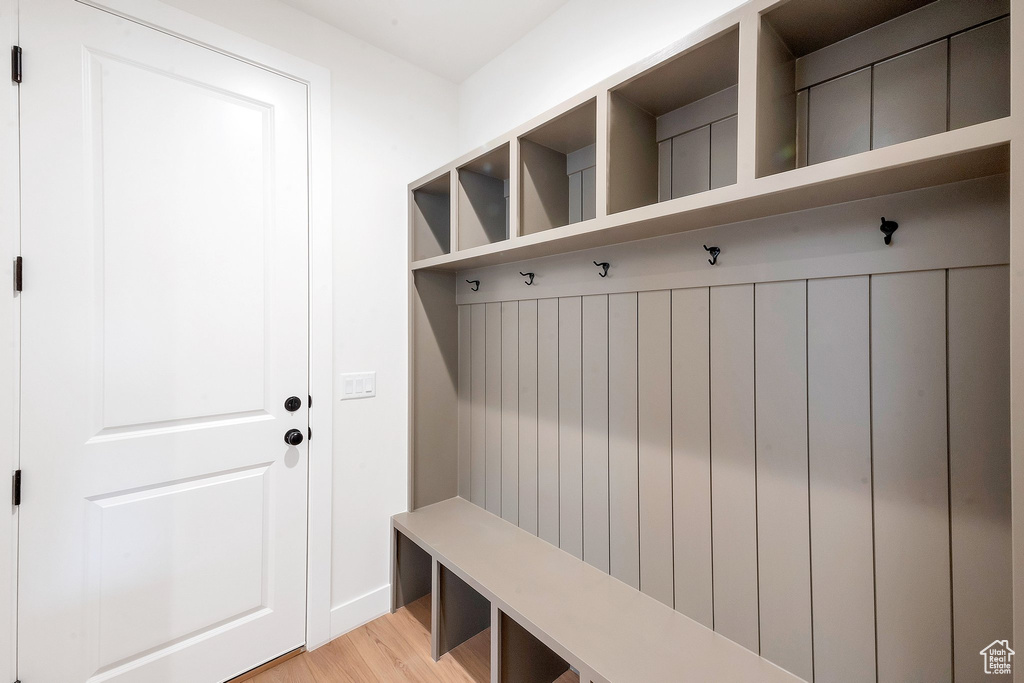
293	437
292	403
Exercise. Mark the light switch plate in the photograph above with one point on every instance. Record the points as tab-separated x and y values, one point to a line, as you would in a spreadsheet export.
357	385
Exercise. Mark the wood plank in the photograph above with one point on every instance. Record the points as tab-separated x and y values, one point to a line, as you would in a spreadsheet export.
839	117
589	193
595	431
839	445
908	413
510	411
654	378
528	415
492	410
623	457
979	74
691	162
547	420
723	152
478	393
783	524
979	463
733	486
908	96
570	425
465	400
691	453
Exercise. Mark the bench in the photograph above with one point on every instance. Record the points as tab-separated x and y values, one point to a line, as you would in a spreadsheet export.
548	610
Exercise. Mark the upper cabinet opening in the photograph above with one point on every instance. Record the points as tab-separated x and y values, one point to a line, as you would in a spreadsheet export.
432	218
559	179
483	199
673	127
839	78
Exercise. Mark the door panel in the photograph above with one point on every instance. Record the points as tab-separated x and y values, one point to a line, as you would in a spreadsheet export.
165	323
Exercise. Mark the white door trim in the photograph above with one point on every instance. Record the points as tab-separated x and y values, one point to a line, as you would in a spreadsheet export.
317	80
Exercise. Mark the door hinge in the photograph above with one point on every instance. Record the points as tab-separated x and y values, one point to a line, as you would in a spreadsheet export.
16	64
16	488
18	268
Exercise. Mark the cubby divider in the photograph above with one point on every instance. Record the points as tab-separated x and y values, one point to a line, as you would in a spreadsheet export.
521	656
484	199
461	612
432	218
411	572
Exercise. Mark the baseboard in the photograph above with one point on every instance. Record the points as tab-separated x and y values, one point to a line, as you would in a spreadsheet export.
357	612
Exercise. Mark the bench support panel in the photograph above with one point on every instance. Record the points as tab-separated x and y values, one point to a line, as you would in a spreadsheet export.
519	657
411	571
461	611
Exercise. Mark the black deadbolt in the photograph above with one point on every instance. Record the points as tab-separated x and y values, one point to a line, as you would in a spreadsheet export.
293	437
292	403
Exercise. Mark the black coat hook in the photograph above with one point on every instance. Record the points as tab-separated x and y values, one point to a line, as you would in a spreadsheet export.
604	266
475	283
529	275
714	251
888	228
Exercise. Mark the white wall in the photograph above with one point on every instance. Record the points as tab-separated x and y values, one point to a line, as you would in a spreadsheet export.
392	122
582	43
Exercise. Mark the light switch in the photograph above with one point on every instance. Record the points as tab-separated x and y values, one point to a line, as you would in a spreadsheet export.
358	385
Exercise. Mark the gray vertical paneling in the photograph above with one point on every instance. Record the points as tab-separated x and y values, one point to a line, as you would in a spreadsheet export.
576	197
570	425
492	410
589	193
547	420
595	430
839	117
908	392
909	96
528	416
723	152
979	74
839	444
510	411
691	162
623	475
465	400
783	533
733	492
665	170
478	391
979	463
691	453
654	378
802	98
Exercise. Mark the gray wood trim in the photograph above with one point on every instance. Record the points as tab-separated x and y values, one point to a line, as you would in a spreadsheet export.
839	444
691	453
908	414
595	431
654	395
570	425
492	409
623	440
528	382
510	411
733	484
979	460
547	420
478	392
783	524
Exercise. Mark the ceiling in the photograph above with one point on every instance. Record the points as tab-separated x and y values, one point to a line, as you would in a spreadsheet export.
451	38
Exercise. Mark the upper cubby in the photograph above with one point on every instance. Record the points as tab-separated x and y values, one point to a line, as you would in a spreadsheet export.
559	164
673	127
484	199
839	78
432	218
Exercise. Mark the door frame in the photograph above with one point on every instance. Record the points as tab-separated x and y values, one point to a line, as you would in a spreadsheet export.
317	79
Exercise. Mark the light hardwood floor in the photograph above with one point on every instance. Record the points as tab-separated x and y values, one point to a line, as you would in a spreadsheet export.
395	647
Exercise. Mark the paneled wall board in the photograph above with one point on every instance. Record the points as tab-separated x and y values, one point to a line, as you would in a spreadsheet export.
478	391
492	409
691	162
465	401
839	117
839	445
547	420
979	74
723	152
623	444
570	425
595	431
510	411
909	96
733	483
654	381
911	495
691	453
979	461
528	382
783	524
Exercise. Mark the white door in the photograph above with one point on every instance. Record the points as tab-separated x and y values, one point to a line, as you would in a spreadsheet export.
164	231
